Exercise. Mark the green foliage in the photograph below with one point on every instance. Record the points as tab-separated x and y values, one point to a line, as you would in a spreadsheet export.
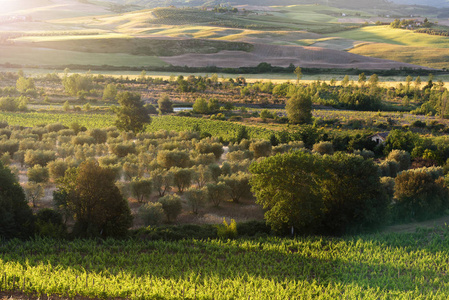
201	106
261	148
113	268
419	195
131	115
217	192
196	198
401	157
172	206
151	213
238	184
49	223
141	188
38	174
227	231
299	108
97	205
23	85
110	92
174	158
324	148
16	218
162	181
319	194
165	105
182	178
77	83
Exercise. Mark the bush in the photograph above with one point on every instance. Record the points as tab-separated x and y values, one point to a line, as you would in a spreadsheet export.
261	148
324	148
419	196
172	206
99	135
238	184
39	157
122	149
38	174
49	223
141	188
83	139
196	198
182	178
57	168
217	192
227	231
151	213
332	195
388	168
401	157
253	228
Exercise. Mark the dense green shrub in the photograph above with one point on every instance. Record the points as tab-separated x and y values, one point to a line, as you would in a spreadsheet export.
151	213
172	206
419	196
16	217
49	223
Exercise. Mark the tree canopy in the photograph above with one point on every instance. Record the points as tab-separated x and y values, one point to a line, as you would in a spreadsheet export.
96	203
299	108
131	115
16	217
334	195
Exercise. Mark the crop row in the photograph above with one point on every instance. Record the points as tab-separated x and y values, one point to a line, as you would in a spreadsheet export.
401	266
225	130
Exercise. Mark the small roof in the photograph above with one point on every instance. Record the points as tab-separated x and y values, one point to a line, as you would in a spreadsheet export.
382	135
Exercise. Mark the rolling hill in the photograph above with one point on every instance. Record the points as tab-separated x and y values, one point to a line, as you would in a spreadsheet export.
316	34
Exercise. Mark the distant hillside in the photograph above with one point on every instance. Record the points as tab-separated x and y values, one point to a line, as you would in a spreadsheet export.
368	4
435	3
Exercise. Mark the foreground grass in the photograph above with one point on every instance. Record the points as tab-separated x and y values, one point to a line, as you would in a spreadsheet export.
384	266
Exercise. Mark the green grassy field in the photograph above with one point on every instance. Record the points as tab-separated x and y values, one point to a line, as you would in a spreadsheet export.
425	56
382	266
49	57
388	35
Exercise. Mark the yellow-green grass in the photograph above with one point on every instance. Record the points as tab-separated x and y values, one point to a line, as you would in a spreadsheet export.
437	58
51	57
388	35
329	43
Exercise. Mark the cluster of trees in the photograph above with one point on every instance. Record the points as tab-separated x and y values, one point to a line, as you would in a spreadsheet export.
345	193
307	184
412	23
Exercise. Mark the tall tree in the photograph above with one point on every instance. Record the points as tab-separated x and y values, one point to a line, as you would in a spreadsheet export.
96	203
16	217
165	105
298	73
299	108
131	114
